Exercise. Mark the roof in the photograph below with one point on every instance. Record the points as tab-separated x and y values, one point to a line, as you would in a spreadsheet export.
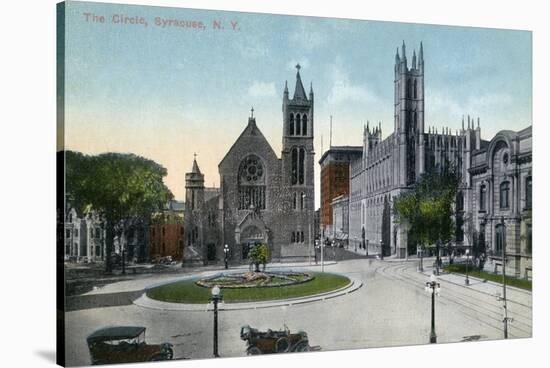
195	169
115	333
299	92
355	150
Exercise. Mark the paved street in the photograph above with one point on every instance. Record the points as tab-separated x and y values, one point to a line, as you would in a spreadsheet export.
391	308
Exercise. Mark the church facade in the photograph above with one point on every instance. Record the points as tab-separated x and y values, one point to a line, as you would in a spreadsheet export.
262	198
493	202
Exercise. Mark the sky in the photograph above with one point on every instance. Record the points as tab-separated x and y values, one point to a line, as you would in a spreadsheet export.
166	92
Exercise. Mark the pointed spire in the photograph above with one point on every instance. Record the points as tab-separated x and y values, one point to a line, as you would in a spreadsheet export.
195	169
286	88
403	51
462	122
478	122
397	56
299	92
414	60
310	89
421	55
368	130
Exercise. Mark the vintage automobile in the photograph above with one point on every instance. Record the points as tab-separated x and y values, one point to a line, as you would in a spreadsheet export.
125	344
270	342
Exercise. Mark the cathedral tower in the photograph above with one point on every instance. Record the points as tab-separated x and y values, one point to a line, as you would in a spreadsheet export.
298	157
409	114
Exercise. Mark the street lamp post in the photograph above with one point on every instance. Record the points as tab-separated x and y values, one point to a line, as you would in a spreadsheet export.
216	298
355	241
467	280
433	287
309	215
226	256
367	246
381	249
504	301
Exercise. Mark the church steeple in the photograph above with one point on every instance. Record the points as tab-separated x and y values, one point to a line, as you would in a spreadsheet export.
299	92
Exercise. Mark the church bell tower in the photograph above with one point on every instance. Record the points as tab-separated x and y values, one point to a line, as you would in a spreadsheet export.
298	156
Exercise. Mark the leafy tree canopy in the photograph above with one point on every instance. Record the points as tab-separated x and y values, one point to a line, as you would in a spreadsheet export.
428	207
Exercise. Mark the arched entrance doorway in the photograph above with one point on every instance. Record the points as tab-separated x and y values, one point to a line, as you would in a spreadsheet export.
250	236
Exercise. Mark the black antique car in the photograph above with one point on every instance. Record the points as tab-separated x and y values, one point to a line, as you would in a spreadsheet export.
270	342
125	344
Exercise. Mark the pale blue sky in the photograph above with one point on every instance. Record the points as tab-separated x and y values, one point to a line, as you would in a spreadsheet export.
168	92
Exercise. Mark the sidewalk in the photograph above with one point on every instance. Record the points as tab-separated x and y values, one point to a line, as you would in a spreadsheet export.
513	294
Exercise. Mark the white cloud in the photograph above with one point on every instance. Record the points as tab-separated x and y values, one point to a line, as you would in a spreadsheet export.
344	90
305	38
262	89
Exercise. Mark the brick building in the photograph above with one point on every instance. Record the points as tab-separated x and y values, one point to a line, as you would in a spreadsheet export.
166	232
335	182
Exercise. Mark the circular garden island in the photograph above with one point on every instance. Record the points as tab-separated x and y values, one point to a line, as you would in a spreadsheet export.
250	287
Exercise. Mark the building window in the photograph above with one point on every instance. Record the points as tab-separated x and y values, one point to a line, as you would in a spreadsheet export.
304	125
415	88
252	183
528	192
302	198
301	166
163	231
505	194
291	125
500	231
482	197
298	125
460	202
294	201
67	233
529	240
294	170
293	237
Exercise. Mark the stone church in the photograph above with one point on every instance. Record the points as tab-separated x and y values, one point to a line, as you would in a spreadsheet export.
493	204
262	198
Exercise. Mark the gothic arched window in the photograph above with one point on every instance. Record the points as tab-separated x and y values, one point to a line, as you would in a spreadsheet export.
294	168
459	202
291	125
301	160
298	125
304	125
302	201
251	183
482	197
505	194
415	89
409	88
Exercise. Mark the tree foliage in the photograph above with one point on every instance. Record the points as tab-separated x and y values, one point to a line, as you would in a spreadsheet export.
259	254
117	186
428	207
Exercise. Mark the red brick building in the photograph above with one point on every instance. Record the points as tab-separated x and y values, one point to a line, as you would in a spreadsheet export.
166	232
335	180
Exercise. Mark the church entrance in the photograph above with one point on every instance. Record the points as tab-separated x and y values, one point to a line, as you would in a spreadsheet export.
249	237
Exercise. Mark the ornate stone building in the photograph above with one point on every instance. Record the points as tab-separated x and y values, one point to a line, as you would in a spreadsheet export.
390	166
262	198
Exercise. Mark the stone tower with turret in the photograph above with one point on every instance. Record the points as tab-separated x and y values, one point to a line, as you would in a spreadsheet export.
194	203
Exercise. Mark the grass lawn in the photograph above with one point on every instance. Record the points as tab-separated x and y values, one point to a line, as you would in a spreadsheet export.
188	292
461	268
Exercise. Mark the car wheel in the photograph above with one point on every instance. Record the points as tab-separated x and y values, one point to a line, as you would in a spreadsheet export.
253	350
302	347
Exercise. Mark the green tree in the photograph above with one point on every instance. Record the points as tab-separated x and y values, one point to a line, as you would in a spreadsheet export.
117	186
259	255
428	207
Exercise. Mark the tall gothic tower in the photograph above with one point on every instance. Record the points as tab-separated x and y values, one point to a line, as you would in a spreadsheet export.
409	115
298	154
194	202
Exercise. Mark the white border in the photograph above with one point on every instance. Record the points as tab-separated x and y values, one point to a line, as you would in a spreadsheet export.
27	145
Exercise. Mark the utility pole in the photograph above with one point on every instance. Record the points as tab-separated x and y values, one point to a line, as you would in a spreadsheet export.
504	303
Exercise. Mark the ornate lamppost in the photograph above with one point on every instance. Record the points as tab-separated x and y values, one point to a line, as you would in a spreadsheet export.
216	298
433	287
226	256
